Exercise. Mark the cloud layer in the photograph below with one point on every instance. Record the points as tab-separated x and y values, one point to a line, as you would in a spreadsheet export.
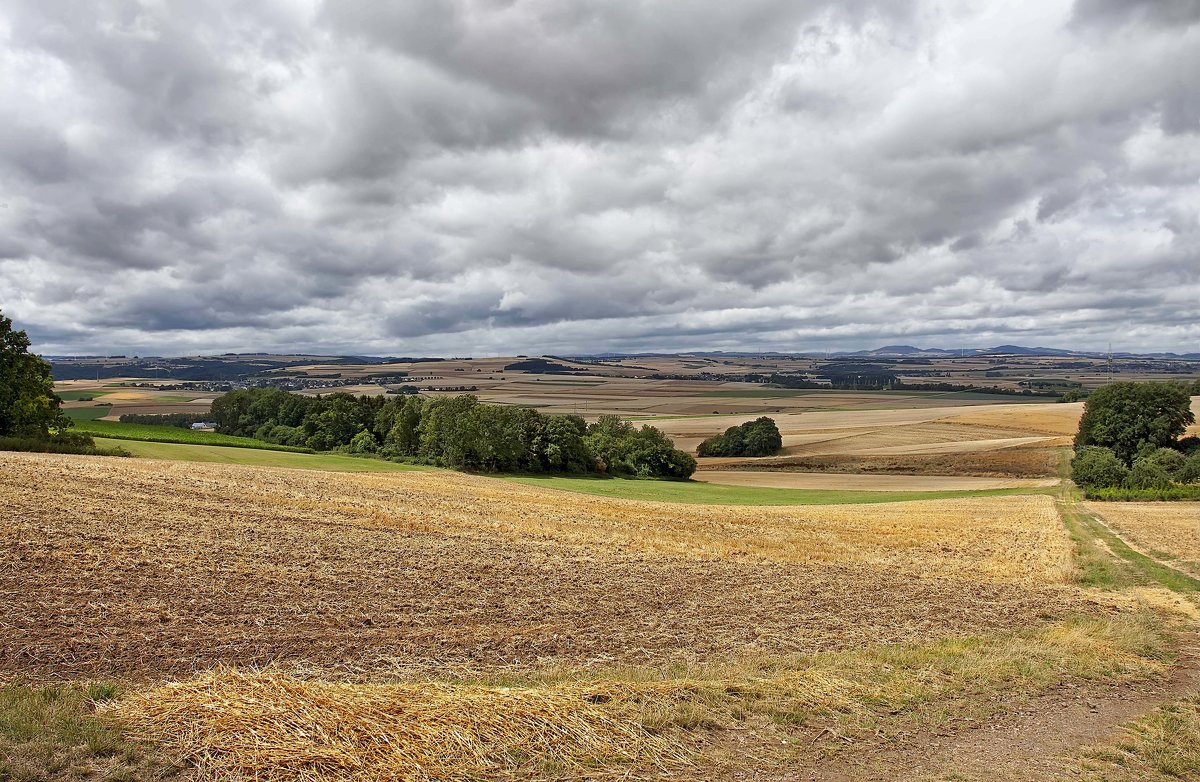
487	176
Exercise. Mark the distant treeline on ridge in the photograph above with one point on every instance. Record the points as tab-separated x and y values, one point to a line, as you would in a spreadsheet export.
456	432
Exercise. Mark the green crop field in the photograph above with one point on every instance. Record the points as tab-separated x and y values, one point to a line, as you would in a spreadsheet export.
75	396
700	493
87	413
225	455
175	434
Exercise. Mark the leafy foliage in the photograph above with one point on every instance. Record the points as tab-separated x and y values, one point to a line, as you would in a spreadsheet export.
1123	416
457	432
28	405
1095	467
759	437
61	442
1148	474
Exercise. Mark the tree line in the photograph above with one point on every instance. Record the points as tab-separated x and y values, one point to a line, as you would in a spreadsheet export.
458	432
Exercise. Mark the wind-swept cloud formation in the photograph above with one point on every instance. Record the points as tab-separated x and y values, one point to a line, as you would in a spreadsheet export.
474	176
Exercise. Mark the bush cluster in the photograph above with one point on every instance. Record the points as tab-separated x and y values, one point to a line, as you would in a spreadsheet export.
59	442
759	437
456	432
1129	443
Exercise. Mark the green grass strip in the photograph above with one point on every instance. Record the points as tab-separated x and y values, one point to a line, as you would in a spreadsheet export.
175	434
216	454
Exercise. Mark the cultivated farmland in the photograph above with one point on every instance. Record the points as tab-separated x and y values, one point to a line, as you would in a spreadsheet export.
240	565
299	624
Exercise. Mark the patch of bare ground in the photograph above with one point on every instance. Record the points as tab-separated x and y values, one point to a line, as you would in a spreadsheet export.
121	567
1003	463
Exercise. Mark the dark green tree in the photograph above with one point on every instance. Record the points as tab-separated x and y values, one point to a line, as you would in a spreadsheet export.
1147	474
28	405
1123	416
1097	468
759	437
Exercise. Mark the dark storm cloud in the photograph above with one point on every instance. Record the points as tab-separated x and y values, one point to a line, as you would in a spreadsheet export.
472	176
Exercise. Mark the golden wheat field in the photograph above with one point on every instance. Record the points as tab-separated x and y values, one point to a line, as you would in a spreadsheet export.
149	567
1163	528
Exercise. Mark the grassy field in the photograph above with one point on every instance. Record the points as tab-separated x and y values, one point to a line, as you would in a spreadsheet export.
217	454
696	492
175	434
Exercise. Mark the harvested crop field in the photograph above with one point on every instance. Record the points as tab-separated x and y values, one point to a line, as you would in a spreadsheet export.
778	479
900	432
144	568
1165	529
1028	462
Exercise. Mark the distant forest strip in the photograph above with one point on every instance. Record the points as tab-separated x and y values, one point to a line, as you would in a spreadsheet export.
456	432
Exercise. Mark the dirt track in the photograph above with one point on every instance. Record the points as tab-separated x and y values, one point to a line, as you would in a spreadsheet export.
142	568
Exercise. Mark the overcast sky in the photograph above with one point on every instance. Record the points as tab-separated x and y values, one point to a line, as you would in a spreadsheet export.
475	177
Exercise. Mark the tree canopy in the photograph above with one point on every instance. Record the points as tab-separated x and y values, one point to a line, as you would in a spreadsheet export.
759	437
451	431
1127	416
28	404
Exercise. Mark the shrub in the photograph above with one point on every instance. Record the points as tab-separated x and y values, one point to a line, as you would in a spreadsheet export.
1146	474
58	444
364	442
1169	459
1123	494
1095	467
1190	472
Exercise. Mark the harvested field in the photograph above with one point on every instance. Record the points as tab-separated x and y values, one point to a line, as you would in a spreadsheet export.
777	479
145	568
277	725
1005	463
1059	419
902	432
1164	529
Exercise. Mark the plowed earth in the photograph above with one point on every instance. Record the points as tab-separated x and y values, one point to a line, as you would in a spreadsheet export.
146	568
